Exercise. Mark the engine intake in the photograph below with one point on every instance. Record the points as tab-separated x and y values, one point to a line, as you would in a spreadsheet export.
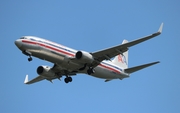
84	57
79	55
45	71
40	70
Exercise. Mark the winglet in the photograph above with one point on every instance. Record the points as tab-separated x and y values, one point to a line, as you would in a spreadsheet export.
160	28
26	80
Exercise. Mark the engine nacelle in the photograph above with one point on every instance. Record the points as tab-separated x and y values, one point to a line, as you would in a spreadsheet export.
45	71
84	57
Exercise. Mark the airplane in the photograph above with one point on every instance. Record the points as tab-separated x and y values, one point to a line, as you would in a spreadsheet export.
108	64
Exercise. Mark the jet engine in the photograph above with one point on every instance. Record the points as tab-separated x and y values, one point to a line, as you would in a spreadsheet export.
45	71
84	57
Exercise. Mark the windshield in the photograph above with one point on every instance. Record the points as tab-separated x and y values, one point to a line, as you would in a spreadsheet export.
23	38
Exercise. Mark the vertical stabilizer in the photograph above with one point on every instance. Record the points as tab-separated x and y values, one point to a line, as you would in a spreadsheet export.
121	60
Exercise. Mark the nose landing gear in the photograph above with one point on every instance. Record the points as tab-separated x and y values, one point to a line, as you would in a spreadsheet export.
30	58
28	54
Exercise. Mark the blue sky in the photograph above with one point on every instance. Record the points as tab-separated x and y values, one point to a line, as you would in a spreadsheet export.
91	26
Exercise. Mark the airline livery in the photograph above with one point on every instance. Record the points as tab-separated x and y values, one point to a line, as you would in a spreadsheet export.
68	62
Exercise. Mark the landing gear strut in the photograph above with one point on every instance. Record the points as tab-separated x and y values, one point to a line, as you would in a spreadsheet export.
30	58
28	54
68	79
90	71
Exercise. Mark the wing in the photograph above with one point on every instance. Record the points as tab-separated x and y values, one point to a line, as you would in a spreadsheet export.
58	73
109	53
37	79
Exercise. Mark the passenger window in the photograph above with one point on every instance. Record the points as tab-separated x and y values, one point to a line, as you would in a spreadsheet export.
32	39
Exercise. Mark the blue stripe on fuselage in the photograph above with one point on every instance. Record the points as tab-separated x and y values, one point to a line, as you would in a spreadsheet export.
112	66
65	49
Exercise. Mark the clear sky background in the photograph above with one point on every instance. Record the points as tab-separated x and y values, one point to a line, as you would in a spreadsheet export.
91	26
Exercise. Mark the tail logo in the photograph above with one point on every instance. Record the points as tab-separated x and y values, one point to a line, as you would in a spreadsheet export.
122	58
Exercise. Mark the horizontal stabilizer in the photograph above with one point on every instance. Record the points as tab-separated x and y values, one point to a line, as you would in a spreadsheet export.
137	68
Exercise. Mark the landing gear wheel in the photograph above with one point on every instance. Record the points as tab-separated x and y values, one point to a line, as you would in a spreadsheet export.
29	59
68	79
90	71
26	52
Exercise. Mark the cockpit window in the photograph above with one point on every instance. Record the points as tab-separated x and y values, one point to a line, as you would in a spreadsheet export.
23	38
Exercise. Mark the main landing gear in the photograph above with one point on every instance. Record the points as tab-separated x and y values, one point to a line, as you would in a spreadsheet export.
68	79
28	54
90	71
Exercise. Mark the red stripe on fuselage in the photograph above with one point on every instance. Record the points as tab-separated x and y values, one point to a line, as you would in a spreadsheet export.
110	68
47	46
70	54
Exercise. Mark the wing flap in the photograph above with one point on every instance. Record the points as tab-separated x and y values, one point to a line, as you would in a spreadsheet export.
137	68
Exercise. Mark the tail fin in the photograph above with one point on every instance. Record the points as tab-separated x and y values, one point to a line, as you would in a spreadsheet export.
121	60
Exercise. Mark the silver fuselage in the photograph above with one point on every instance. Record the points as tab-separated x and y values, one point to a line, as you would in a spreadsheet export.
62	55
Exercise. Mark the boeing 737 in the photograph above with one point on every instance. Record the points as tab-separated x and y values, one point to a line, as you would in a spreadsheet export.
68	62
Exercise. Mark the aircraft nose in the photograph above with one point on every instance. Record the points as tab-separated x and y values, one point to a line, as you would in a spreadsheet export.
18	43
